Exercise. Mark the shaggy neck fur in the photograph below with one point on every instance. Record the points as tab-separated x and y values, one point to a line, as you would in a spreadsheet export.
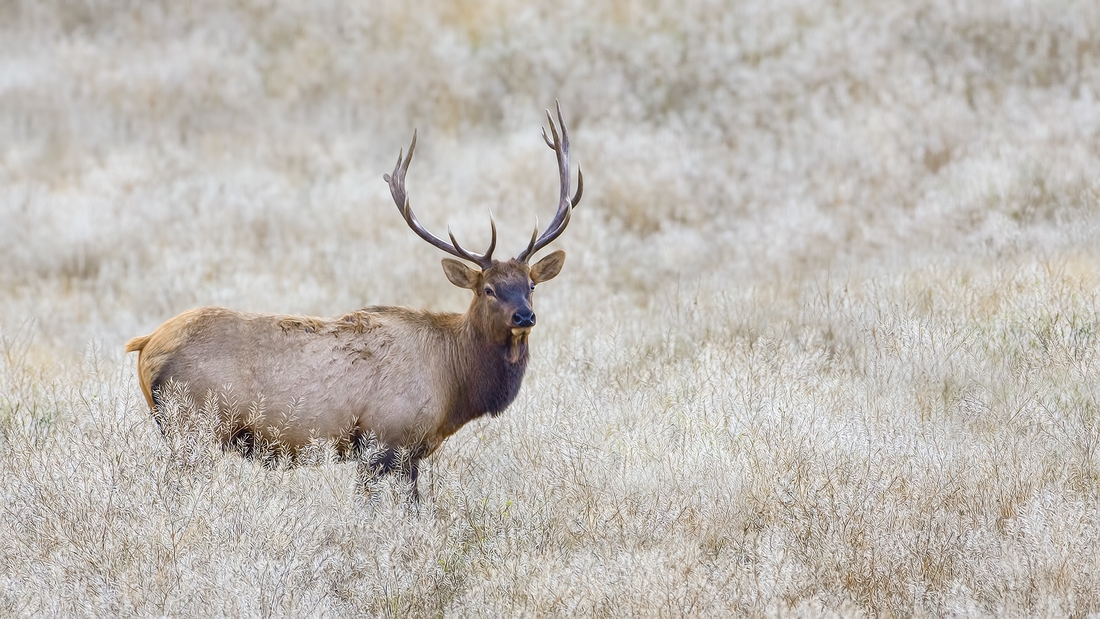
493	372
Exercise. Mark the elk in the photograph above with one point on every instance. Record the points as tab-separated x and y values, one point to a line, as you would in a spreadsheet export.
385	385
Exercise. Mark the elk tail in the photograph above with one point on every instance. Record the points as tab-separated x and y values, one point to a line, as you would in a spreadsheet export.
137	343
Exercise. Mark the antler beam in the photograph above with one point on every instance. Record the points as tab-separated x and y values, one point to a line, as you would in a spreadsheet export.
560	146
396	182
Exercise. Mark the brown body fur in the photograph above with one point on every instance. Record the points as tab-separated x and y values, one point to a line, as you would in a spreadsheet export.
406	379
394	372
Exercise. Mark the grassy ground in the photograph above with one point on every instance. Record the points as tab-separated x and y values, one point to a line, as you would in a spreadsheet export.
825	343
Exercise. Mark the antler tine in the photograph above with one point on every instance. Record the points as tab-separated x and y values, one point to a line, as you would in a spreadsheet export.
580	186
553	130
560	146
396	182
483	260
534	235
493	240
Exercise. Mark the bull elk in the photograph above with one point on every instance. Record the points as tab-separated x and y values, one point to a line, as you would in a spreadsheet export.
386	385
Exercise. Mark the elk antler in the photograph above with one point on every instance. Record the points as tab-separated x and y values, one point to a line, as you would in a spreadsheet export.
565	205
397	190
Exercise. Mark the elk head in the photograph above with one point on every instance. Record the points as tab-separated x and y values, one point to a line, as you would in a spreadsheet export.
502	289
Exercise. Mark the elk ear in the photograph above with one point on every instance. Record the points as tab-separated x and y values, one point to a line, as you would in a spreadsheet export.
460	274
547	268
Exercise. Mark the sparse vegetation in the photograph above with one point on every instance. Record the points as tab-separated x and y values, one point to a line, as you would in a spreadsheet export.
826	342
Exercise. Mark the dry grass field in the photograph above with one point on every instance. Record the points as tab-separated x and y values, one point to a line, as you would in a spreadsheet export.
827	342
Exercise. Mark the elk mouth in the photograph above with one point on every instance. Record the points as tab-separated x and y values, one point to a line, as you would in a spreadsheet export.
518	344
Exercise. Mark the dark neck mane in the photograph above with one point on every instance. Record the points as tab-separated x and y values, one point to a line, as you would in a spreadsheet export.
489	378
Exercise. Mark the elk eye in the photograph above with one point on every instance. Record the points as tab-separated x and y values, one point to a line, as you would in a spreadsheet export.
532	286
489	291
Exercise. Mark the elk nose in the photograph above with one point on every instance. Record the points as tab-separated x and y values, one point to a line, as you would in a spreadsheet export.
523	318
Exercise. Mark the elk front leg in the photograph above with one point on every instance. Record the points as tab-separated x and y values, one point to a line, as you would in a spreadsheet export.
372	467
406	462
412	472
